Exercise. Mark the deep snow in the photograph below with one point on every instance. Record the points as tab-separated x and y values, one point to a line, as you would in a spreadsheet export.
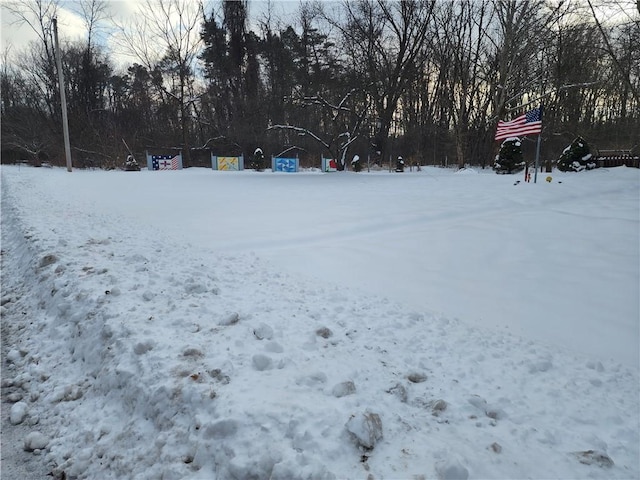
201	324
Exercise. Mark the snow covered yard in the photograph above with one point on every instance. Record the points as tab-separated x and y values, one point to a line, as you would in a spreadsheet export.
220	325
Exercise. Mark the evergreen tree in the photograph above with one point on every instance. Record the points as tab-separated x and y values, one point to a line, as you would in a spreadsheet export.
509	158
356	165
576	157
257	163
233	105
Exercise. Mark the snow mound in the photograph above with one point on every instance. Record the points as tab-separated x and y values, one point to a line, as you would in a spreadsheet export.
467	171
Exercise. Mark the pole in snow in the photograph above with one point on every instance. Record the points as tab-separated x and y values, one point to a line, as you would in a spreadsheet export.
535	175
63	98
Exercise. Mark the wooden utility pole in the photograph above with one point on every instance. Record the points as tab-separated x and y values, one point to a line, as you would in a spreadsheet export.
63	98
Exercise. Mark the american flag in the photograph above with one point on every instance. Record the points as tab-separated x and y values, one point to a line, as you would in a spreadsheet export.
529	123
164	162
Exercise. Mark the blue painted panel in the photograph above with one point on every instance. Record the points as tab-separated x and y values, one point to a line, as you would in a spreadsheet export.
289	165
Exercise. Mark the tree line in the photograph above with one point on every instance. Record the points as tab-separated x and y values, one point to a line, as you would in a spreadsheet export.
424	79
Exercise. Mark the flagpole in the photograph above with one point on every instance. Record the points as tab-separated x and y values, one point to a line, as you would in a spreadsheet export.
535	175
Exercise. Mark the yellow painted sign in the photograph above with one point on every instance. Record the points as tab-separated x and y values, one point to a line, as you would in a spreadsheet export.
228	163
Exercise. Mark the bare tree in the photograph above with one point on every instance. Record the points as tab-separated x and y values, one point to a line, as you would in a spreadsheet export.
461	50
344	127
625	73
385	41
165	37
517	48
94	13
33	124
39	15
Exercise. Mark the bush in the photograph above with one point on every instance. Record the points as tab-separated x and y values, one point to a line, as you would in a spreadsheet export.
356	165
509	158
257	163
576	157
131	165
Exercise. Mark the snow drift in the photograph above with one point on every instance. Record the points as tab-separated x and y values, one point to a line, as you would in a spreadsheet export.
145	349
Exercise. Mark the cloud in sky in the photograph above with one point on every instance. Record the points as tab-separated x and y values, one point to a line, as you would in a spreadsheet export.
16	35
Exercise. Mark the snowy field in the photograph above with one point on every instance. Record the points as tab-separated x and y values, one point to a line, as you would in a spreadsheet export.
241	325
